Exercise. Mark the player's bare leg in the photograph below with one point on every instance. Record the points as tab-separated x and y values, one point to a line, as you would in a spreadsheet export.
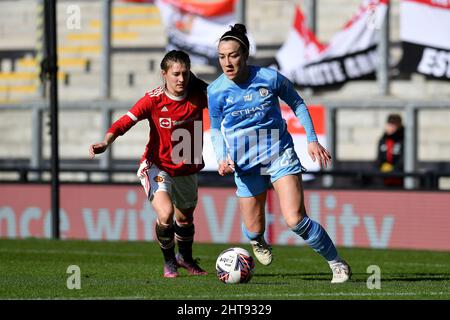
290	193
253	213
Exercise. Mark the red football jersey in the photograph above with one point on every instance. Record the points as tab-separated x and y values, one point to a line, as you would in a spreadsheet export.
176	129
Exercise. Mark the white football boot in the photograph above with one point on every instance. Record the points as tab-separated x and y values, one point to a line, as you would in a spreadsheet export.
262	251
341	272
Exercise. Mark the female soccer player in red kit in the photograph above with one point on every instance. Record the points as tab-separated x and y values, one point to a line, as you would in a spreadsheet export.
172	157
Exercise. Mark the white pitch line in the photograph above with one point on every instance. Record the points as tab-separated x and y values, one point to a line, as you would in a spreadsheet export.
418	264
86	298
424	264
208	297
332	294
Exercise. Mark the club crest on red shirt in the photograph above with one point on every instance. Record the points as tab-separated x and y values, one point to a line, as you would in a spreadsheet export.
165	123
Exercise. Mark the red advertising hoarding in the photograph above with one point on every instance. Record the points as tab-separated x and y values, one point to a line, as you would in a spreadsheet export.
371	219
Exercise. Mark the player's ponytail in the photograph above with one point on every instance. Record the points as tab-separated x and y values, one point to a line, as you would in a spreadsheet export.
239	28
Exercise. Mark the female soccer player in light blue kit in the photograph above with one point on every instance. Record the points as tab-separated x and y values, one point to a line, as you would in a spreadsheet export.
251	140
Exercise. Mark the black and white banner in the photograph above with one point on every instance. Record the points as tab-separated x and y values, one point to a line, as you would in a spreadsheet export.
196	26
351	53
425	36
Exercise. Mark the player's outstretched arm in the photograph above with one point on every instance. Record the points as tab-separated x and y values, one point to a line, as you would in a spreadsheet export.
101	147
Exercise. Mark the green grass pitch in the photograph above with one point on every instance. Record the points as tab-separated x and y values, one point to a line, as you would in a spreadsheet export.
37	269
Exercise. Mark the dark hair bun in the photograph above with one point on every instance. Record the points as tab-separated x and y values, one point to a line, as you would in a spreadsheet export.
240	28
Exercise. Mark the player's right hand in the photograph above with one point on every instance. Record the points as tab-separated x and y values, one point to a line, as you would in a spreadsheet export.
97	148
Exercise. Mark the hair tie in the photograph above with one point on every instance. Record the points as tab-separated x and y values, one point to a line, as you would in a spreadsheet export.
236	38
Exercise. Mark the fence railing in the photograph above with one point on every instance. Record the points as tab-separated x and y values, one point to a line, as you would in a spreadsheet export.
349	179
107	107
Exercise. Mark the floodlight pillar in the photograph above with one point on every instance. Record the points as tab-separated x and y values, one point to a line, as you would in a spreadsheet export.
51	72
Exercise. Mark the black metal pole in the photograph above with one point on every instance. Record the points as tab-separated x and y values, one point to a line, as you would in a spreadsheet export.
52	73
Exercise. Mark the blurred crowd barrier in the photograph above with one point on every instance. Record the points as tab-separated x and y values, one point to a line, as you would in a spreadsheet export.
353	218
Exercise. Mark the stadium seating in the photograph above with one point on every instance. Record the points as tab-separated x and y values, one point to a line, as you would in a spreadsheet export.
138	39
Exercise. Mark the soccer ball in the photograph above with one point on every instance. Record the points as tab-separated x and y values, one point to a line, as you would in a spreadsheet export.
235	265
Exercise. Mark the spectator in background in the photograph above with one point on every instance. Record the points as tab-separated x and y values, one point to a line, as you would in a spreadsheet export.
390	150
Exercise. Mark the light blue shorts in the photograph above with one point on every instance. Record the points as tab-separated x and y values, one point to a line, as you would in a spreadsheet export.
258	181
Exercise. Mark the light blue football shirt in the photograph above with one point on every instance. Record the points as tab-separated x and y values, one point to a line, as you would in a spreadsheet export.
246	120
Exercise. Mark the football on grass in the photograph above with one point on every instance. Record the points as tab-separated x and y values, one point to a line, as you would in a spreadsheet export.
235	265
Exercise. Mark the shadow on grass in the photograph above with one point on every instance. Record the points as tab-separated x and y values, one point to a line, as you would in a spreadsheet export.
297	275
362	277
416	277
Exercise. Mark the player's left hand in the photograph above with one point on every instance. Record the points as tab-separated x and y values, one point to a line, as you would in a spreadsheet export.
226	167
318	152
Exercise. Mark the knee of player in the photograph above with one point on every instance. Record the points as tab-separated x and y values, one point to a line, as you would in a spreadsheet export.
185	221
185	217
165	218
165	213
294	219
